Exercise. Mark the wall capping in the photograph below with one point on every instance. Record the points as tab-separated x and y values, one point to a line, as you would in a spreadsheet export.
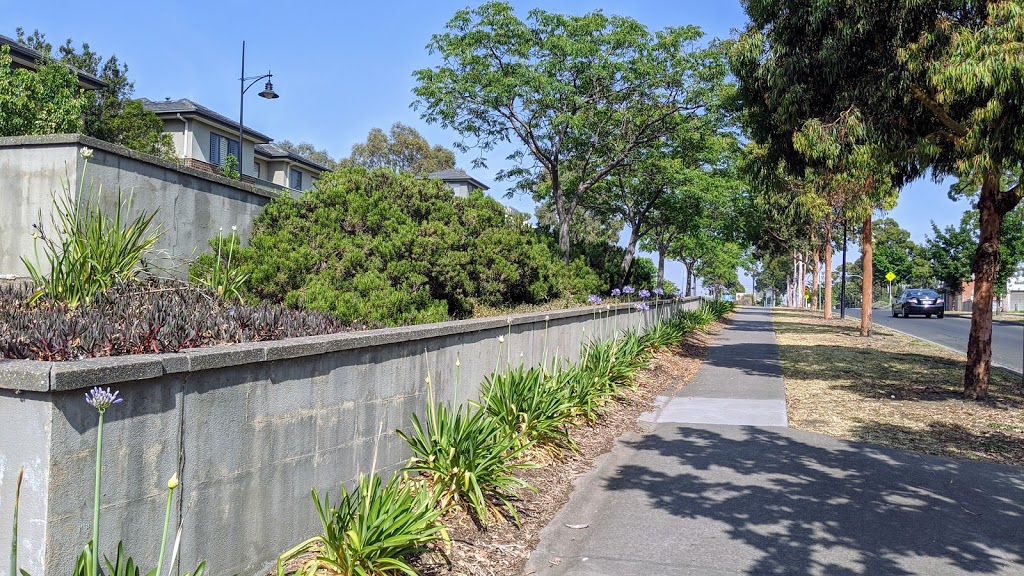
43	376
90	142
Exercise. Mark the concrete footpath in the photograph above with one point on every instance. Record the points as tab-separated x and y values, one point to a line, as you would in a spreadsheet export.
720	485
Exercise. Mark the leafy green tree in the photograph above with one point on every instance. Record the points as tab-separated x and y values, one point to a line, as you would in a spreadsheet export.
698	155
403	149
938	84
393	248
46	101
951	251
110	114
894	252
582	95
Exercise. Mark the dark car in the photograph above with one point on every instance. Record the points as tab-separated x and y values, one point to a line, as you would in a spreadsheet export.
918	301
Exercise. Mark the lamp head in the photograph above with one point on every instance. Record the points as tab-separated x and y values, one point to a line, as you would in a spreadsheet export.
268	91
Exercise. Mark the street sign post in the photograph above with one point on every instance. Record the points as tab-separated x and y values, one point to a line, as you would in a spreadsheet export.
890	277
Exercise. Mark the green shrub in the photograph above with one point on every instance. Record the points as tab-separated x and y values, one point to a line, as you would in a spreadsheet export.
396	249
468	458
530	406
87	250
371	530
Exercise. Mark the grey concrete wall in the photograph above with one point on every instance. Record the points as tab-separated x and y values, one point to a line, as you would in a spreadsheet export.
249	428
192	206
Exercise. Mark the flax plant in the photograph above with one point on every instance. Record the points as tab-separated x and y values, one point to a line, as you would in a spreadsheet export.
88	251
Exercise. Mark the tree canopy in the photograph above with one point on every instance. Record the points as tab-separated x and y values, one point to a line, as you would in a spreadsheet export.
44	101
581	95
110	114
402	149
927	84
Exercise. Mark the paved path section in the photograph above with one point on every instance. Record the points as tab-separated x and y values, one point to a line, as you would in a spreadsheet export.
708	499
741	383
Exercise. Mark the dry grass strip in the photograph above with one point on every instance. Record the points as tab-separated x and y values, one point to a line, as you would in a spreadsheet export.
894	390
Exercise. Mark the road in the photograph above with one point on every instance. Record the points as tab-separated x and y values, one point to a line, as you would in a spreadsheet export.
952	331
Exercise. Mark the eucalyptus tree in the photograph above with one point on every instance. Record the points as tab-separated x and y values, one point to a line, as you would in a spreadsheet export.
579	96
402	149
939	83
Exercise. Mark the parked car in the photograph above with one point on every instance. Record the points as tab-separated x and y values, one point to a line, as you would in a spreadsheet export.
918	301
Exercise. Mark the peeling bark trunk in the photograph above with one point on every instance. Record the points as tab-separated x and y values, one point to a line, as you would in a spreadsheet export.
661	266
865	308
828	274
627	259
689	277
993	204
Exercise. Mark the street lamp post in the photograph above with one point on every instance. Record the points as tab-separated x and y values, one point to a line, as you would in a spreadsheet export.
267	92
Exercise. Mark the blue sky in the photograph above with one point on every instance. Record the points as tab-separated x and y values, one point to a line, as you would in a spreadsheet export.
342	68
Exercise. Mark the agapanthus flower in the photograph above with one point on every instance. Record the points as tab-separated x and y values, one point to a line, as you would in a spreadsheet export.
659	291
628	290
642	306
101	399
616	292
645	293
594	299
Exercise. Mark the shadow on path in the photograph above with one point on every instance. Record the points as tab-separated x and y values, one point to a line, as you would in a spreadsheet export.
815	505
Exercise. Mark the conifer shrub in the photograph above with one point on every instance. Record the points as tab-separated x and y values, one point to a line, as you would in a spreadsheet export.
380	247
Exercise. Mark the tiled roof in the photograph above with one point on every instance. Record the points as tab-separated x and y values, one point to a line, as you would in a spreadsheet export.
271	150
26	56
186	106
456	175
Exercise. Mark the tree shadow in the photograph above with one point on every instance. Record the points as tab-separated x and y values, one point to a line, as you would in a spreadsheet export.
820	506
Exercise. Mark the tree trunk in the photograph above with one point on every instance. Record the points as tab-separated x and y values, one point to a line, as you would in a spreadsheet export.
627	258
866	283
814	273
661	265
828	273
992	207
563	239
689	278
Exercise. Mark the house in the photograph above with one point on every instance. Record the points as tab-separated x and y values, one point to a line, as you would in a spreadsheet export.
24	57
204	139
460	182
283	168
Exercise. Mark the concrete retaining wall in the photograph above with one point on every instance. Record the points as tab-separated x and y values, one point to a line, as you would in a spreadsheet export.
249	428
191	206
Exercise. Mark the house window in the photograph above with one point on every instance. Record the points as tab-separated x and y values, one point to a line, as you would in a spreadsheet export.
220	147
295	179
256	169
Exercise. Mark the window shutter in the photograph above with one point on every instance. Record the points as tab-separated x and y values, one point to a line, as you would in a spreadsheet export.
215	157
233	150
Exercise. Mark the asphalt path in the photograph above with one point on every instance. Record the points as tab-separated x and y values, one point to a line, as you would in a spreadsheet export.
953	331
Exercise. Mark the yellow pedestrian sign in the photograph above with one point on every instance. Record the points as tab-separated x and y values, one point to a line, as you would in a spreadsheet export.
890	276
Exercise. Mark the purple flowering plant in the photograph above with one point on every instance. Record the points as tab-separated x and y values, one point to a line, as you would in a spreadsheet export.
642	306
645	293
594	299
101	399
616	292
628	289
